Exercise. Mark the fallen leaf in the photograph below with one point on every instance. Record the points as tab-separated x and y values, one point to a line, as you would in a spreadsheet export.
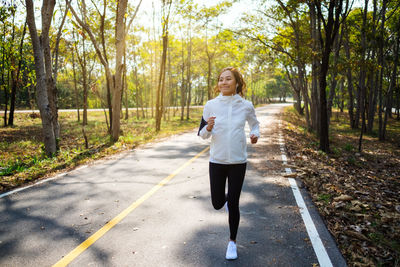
343	198
356	235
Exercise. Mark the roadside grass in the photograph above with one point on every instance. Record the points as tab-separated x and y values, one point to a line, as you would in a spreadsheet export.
356	193
22	153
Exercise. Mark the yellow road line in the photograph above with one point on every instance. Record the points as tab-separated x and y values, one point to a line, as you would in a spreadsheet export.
93	238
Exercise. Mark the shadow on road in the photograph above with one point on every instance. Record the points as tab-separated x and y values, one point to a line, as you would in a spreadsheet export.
271	231
40	230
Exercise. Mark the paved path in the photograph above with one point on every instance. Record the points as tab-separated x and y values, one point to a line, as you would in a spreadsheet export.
172	225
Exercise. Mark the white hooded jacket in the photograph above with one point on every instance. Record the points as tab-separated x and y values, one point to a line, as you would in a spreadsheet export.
228	139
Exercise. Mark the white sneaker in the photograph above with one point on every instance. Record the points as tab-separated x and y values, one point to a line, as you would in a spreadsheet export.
231	251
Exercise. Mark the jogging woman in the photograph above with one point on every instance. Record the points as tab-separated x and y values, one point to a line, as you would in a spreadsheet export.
224	119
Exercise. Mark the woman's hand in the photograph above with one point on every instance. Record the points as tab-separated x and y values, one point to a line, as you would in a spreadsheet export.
253	139
210	123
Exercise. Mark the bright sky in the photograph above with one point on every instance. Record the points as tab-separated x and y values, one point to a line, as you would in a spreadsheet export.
233	15
228	19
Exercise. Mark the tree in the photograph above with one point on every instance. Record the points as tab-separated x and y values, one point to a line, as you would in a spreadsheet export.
299	55
15	74
287	44
44	71
393	79
73	49
113	80
336	14
361	84
166	9
82	59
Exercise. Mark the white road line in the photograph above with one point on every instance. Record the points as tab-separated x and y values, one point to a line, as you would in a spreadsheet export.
319	249
39	182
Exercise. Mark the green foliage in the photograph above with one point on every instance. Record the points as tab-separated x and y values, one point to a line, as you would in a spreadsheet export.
349	147
335	151
18	165
321	153
325	198
351	160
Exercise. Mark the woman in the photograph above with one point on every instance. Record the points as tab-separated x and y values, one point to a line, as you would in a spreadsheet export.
224	119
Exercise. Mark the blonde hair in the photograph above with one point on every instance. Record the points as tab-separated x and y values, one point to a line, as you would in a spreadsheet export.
238	78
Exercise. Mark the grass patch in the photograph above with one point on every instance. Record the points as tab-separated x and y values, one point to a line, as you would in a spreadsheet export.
325	198
349	147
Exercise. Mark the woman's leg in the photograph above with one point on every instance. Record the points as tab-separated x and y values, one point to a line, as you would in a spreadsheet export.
218	174
236	175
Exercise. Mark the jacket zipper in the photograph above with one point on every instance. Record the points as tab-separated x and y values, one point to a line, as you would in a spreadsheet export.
229	128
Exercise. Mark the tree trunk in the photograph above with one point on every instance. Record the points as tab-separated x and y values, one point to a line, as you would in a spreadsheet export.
314	69
209	70
15	79
183	84
389	94
52	79
189	71
342	96
3	80
331	27
137	91
350	87
109	84
109	80
136	85
373	93
332	89
49	72
40	69
324	134
125	83
381	63
361	82
296	92
83	64
161	81
144	99
398	101
171	103
12	82
119	67
75	85
84	82
304	91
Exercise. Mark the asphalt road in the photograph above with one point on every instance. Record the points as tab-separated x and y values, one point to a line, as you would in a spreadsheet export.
172	225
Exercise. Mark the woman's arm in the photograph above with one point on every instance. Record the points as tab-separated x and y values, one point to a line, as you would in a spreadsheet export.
254	124
205	123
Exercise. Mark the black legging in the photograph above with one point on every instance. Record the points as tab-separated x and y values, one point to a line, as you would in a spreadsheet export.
218	175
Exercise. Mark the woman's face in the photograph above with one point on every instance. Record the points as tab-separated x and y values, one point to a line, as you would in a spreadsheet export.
227	83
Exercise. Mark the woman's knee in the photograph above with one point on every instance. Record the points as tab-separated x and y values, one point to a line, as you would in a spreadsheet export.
233	205
217	204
